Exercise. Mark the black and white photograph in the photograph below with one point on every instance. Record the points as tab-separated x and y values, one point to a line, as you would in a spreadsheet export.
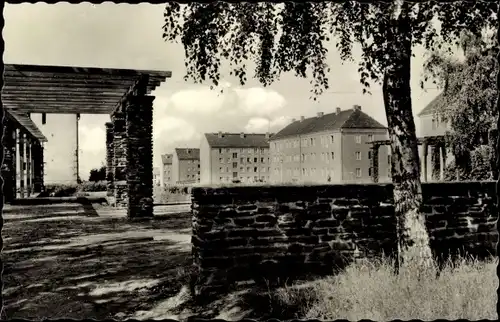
250	160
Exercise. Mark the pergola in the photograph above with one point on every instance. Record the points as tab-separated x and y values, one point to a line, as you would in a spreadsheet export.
122	93
438	156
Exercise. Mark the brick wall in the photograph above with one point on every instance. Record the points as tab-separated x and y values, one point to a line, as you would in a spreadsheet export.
244	233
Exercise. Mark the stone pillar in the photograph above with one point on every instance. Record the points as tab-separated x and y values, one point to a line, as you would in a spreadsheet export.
28	166
35	151
9	162
139	111
109	158
22	165
492	142
119	160
436	162
425	150
374	162
442	148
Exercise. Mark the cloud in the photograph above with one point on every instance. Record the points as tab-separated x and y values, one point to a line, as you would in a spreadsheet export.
92	139
261	124
202	100
259	101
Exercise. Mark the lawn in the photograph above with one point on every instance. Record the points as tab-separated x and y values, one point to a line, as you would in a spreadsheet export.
67	261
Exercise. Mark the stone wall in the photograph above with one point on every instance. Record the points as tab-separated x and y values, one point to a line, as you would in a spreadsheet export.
245	233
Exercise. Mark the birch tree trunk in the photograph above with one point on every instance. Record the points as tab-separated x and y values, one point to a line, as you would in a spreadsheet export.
413	239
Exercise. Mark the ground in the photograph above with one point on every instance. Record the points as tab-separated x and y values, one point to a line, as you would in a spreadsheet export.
74	261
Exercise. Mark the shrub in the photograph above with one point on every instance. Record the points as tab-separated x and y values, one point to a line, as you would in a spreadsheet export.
60	190
90	186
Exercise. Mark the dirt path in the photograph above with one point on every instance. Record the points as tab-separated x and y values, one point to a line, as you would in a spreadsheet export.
67	261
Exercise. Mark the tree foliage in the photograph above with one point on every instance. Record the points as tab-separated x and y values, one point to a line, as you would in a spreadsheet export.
98	174
468	100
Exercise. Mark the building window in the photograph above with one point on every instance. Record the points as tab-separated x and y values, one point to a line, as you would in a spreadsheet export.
221	160
220	179
332	154
249	160
228	150
198	165
248	169
262	160
235	174
358	155
370	171
235	164
369	155
221	169
255	160
358	139
312	142
358	172
370	137
235	155
242	160
263	170
227	169
255	169
220	150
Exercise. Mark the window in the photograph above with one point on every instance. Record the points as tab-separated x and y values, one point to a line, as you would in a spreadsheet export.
228	150
370	137
262	160
235	174
249	160
221	169
312	142
358	139
198	165
370	171
242	160
255	150
227	169
220	178
358	155
262	150
263	170
369	155
248	169
255	169
221	160
358	172
332	155
235	155
331	138
220	150
255	160
235	164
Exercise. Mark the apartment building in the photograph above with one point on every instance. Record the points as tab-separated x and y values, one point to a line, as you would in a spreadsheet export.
156	176
329	148
166	169
186	166
234	157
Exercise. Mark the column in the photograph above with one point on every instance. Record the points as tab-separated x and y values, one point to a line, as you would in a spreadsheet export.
109	158
28	166
139	116
443	160
22	165
436	162
119	160
9	163
492	142
374	162
35	152
425	149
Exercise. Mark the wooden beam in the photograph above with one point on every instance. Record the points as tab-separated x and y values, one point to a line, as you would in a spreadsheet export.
54	82
67	109
57	96
69	99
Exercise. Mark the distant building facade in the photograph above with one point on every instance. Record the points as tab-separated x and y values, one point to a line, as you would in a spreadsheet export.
186	166
166	170
329	148
156	176
234	157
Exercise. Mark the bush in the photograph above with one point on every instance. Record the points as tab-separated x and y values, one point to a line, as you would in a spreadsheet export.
171	194
372	290
89	186
60	190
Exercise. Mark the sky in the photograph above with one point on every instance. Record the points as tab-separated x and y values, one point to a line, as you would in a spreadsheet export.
112	35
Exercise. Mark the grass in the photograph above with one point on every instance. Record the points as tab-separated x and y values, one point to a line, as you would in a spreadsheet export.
466	289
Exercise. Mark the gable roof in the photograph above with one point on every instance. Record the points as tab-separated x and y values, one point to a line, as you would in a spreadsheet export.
432	106
234	140
352	119
166	158
187	154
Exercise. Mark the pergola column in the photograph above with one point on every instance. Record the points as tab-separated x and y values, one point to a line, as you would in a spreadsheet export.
425	148
28	166
9	162
374	162
37	157
442	148
139	116
436	162
21	170
119	159
109	158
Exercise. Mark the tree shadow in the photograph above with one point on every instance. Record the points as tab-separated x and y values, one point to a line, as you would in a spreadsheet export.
88	266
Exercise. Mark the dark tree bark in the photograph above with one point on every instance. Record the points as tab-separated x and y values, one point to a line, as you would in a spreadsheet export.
413	239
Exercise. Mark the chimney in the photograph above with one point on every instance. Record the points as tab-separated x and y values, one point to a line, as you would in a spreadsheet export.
294	119
302	118
267	135
320	114
337	111
220	135
242	135
356	107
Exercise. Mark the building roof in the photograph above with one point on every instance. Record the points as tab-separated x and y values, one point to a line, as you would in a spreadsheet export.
235	140
166	158
433	105
71	90
23	120
187	154
353	119
156	170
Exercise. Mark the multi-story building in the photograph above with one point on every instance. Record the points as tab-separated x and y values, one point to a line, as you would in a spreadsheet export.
156	176
166	171
234	157
186	166
329	148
